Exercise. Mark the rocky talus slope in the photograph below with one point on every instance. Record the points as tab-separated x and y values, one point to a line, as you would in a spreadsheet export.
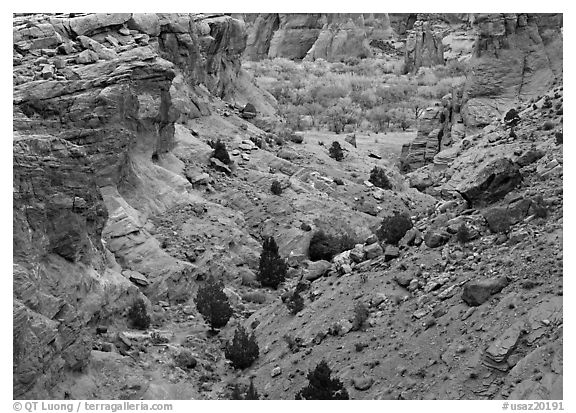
116	197
472	317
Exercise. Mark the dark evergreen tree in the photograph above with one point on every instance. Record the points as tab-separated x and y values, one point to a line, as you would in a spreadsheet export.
378	178
272	267
276	188
212	303
394	228
252	393
220	152
243	349
295	303
321	386
236	394
336	152
138	315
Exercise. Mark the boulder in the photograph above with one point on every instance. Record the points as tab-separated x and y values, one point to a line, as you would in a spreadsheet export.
357	254
476	293
87	57
500	218
490	183
220	166
136	277
529	157
391	252
371	239
372	251
362	383
403	279
317	269
435	238
496	354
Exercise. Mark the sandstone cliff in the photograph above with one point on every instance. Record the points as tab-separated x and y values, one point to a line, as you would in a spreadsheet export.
95	103
314	36
516	57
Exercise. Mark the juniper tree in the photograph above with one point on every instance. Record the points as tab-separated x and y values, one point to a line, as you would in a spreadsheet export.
378	178
220	152
138	315
272	269
213	304
336	152
321	386
243	349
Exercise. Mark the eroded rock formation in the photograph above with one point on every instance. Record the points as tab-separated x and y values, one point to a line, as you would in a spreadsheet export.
516	56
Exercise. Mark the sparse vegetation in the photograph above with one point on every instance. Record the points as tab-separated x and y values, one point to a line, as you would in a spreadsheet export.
185	360
295	303
361	314
325	246
220	151
212	303
393	228
379	178
138	315
321	386
463	234
243	349
276	188
336	152
272	269
293	344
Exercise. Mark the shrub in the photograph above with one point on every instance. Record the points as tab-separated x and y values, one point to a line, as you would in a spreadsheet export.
220	152
512	117
548	125
463	234
338	181
276	188
250	394
243	349
321	386
293	344
236	393
360	316
378	178
335	151
295	303
138	315
212	303
272	267
325	246
394	228
559	138
185	360
297	138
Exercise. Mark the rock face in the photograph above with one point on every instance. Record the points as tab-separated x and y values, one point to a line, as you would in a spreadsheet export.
314	36
423	47
515	56
86	130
